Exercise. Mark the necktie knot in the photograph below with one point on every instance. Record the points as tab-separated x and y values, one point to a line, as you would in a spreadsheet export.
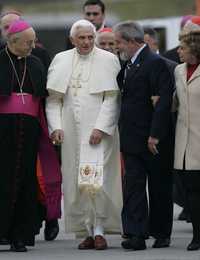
128	65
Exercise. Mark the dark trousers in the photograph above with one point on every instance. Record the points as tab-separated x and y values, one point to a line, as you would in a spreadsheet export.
191	181
179	192
141	216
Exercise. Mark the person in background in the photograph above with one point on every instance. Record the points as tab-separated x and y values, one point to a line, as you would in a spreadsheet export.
24	139
105	40
173	54
82	111
151	38
186	101
94	12
51	227
146	140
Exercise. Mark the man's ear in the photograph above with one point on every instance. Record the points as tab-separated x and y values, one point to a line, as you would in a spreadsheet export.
72	40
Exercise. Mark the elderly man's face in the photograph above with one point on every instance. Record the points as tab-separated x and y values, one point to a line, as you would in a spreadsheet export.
23	45
94	14
6	21
106	41
83	40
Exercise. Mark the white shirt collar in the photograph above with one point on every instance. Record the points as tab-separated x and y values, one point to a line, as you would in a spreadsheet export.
133	59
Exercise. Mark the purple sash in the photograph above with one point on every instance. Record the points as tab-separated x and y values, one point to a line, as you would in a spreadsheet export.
49	163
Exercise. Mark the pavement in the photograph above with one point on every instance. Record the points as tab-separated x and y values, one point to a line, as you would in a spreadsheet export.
65	248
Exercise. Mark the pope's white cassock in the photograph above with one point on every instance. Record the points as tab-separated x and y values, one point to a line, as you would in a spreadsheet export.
84	96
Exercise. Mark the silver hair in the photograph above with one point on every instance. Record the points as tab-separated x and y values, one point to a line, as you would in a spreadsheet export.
130	30
81	24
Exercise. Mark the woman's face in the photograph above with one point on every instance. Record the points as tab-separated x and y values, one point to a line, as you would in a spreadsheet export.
185	54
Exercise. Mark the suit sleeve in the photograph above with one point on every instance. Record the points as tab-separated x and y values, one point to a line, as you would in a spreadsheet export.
161	81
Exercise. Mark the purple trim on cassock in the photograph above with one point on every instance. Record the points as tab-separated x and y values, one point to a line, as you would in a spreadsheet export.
48	159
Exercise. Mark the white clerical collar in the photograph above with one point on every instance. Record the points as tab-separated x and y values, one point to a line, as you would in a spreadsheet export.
86	56
133	59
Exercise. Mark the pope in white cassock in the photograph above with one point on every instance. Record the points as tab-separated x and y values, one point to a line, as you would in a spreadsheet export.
82	112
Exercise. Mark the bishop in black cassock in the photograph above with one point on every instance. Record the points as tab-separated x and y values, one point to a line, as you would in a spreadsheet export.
22	76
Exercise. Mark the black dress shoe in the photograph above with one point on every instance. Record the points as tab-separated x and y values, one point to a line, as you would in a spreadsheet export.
134	243
4	241
18	246
194	245
161	242
51	230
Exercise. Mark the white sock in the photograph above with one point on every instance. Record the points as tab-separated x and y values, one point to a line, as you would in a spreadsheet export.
98	230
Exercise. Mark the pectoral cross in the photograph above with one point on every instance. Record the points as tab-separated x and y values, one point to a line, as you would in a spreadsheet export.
76	87
22	96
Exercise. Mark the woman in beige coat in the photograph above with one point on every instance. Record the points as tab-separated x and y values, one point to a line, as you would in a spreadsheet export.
187	144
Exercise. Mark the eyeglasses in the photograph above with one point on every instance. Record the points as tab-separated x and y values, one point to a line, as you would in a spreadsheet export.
91	13
5	27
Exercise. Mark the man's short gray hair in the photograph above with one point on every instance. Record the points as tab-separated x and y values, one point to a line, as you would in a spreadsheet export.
130	31
81	24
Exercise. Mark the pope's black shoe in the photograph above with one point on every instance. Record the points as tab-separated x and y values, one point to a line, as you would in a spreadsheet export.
51	230
18	246
161	242
194	245
134	243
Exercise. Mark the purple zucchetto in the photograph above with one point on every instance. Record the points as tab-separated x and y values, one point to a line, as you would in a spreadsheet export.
18	26
185	19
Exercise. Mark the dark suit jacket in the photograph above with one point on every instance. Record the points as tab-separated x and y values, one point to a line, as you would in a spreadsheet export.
148	76
172	55
171	65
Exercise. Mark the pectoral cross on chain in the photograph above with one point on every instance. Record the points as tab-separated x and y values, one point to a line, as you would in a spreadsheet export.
76	87
22	96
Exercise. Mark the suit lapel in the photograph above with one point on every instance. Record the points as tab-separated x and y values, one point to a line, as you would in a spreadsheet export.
135	67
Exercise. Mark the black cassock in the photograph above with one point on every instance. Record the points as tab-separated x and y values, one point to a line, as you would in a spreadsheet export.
19	136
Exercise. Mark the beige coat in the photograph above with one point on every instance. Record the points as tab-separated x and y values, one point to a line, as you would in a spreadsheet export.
188	122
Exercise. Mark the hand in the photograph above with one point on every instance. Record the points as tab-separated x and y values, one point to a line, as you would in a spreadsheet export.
96	136
154	100
57	136
152	142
